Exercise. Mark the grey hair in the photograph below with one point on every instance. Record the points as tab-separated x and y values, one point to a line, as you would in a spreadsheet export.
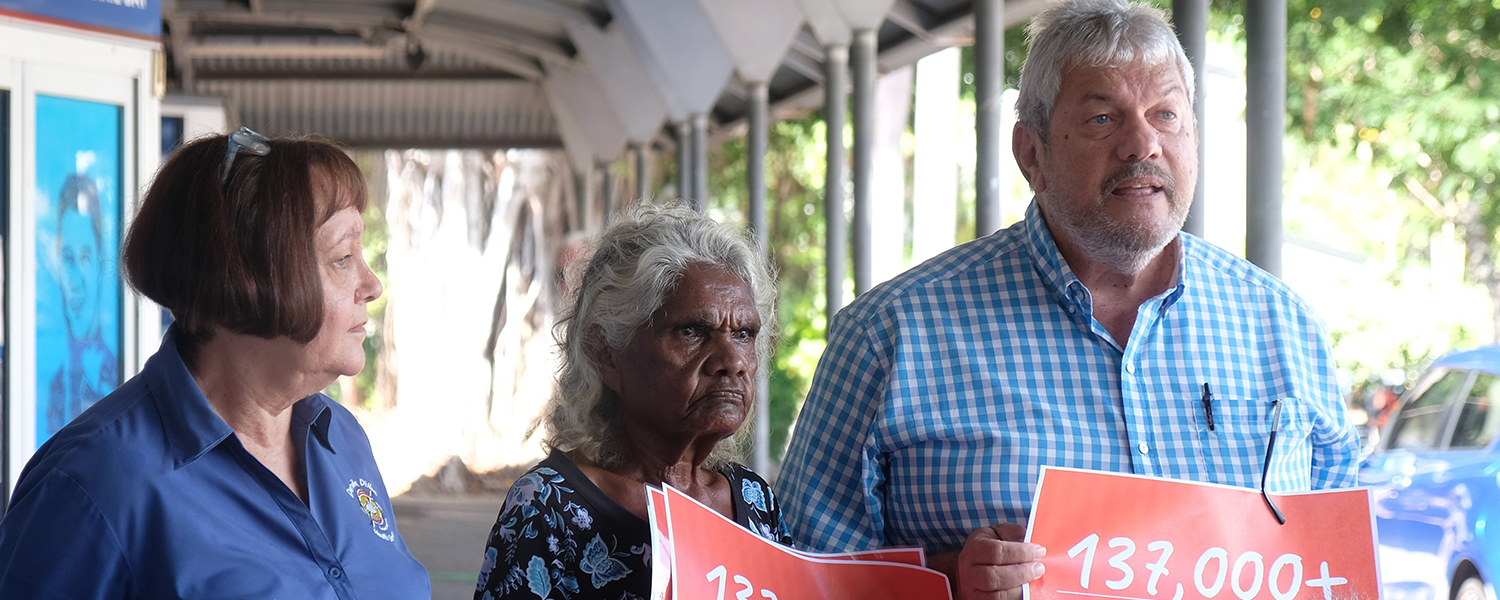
637	260
1092	33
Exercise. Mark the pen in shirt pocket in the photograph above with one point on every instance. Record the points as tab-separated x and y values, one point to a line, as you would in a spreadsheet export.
1208	406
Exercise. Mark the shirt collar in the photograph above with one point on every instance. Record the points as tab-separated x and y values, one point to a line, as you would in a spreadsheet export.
192	426
1054	271
1059	277
1180	246
314	412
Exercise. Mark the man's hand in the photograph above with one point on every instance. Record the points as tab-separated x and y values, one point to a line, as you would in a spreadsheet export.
993	564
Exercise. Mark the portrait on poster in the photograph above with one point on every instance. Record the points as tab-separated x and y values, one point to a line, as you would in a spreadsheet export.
77	213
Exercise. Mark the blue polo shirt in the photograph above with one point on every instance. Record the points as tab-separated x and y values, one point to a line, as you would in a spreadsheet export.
149	494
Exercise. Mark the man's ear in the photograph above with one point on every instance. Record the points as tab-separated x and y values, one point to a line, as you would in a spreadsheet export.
1026	144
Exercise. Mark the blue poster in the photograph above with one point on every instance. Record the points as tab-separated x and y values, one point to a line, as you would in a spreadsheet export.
78	175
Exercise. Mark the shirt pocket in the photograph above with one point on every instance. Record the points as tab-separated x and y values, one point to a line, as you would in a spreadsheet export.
1234	451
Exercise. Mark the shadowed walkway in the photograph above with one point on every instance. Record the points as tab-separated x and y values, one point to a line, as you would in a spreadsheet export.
448	533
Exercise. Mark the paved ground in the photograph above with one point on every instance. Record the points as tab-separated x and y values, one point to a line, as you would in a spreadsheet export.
447	533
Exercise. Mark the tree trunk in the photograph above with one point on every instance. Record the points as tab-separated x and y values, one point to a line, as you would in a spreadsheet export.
1479	240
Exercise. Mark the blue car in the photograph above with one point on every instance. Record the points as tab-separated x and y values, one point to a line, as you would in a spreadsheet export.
1435	479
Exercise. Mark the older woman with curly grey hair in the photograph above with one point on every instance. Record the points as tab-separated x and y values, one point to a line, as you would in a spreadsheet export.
659	355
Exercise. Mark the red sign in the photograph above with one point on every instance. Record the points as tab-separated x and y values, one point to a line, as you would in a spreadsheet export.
1126	537
712	558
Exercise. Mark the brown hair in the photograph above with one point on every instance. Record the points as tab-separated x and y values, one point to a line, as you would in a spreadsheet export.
240	255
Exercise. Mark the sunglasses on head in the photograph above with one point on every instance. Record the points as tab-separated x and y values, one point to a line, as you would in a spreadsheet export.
243	140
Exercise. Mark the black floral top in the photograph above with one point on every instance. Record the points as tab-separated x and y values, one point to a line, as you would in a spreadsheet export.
560	537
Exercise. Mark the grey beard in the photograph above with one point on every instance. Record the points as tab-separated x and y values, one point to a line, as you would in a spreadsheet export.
1124	248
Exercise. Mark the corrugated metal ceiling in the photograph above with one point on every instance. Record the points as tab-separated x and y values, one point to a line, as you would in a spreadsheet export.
456	72
384	113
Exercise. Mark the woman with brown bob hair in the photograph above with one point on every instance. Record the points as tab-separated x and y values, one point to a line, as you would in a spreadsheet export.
220	470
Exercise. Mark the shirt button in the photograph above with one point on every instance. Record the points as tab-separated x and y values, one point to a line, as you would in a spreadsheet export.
1130	367
1071	309
1144	448
337	573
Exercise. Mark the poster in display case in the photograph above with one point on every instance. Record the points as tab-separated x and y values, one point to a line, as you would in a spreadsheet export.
78	306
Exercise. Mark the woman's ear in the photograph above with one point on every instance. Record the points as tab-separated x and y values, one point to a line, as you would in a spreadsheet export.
605	359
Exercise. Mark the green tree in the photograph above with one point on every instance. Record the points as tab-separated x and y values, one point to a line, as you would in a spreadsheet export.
794	179
1408	86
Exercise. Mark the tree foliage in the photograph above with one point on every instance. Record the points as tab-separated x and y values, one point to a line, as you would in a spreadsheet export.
1408	86
794	178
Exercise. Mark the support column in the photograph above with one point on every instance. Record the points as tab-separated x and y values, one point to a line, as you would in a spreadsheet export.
835	78
755	167
1191	19
607	191
700	161
1265	126
642	175
862	66
989	80
581	198
685	162
755	180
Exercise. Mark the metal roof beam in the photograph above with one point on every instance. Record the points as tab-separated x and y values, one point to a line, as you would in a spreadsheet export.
808	45
501	35
481	74
330	21
804	66
756	35
319	6
621	71
905	53
737	88
556	9
683	54
522	66
419	13
521	11
261	50
911	17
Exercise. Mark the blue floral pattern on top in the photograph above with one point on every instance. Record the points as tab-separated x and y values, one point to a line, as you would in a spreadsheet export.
753	494
558	537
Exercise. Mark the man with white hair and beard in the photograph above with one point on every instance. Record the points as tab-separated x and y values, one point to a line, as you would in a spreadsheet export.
1092	334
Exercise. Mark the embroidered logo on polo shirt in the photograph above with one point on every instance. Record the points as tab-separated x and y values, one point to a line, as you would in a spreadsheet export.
364	492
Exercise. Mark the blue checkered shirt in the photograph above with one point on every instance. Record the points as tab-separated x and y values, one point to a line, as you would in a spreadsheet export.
944	391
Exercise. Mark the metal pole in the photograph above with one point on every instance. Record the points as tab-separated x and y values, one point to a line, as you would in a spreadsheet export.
700	161
755	179
581	197
835	78
1265	125
755	168
1191	19
607	190
642	180
862	66
989	79
684	166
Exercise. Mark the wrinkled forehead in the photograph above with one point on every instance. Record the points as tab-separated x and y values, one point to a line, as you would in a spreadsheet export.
1159	79
1121	54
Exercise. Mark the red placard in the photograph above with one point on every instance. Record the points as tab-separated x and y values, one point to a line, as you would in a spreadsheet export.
1126	537
713	559
661	549
661	544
